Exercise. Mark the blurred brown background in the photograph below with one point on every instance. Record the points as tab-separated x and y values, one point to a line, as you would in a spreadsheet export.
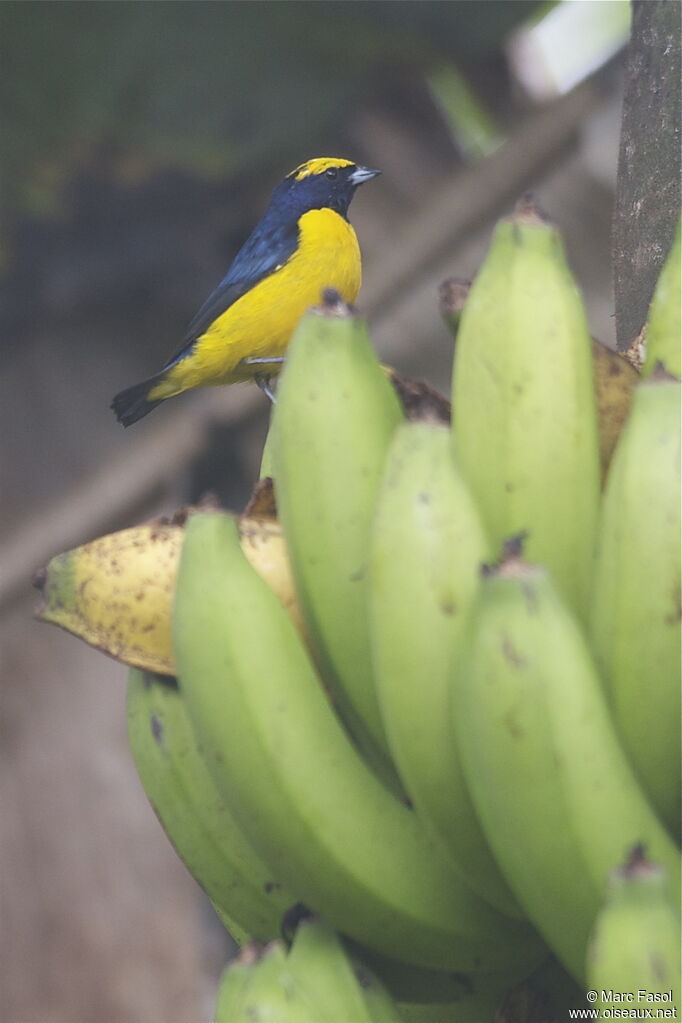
139	145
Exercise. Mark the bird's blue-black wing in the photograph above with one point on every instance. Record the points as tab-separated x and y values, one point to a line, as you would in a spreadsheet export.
266	249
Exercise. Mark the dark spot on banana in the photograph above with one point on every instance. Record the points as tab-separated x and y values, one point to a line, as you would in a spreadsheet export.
157	729
511	653
513	726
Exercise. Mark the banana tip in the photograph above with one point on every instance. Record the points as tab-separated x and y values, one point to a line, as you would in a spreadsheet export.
40	579
332	304
511	562
528	211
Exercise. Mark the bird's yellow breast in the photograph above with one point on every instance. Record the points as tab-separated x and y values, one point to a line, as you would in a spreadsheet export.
261	322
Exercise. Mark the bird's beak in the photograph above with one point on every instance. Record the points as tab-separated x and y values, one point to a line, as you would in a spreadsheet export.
361	174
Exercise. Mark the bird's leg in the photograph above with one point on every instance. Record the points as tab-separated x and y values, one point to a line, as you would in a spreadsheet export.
264	383
263	379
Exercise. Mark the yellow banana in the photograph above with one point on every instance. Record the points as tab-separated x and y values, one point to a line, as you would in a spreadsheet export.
116	592
523	406
555	794
312	808
635	620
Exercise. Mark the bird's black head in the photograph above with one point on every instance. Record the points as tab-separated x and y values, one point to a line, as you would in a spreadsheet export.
319	183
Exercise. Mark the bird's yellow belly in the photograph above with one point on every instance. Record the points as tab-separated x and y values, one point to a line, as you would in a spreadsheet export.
261	322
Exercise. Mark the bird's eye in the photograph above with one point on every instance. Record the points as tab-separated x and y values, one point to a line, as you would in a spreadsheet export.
331	172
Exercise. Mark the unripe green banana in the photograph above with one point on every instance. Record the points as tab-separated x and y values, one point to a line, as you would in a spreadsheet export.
305	798
523	405
176	780
635	622
335	415
322	969
614	376
380	1007
418	984
478	1004
555	794
634	954
258	988
427	548
664	330
233	985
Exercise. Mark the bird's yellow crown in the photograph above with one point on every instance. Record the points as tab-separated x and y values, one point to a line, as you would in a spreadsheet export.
317	166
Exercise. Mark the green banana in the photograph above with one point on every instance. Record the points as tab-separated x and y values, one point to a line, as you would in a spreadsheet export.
321	967
634	953
234	984
664	330
406	982
313	809
427	547
635	621
335	415
553	789
260	989
177	782
523	402
379	1004
479	1004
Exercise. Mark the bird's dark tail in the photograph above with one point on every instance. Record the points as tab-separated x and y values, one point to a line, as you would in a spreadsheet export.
132	404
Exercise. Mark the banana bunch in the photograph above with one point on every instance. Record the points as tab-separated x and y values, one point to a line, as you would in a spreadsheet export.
345	700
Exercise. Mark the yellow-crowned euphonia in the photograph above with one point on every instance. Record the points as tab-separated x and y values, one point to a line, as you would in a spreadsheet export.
303	244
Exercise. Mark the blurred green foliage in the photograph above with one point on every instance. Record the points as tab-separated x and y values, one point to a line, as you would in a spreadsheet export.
208	86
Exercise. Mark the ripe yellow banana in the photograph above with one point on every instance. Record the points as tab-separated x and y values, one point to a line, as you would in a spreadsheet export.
427	548
523	405
176	780
116	592
335	415
287	769
634	954
555	794
664	329
635	621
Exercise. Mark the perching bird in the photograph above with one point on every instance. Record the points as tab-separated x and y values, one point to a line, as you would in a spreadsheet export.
303	244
